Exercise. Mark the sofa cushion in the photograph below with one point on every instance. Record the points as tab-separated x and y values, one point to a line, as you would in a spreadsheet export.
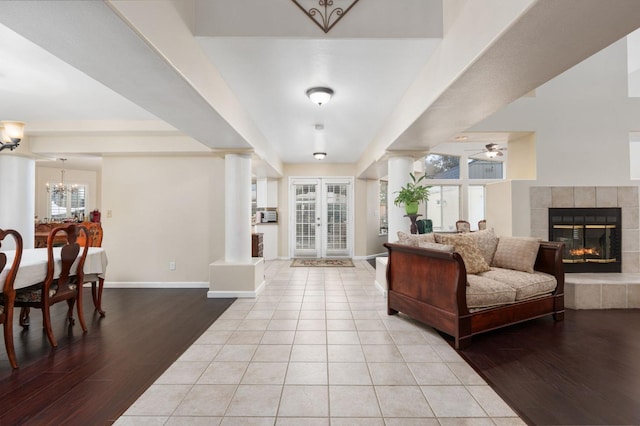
474	262
436	246
414	239
526	285
483	292
487	242
517	253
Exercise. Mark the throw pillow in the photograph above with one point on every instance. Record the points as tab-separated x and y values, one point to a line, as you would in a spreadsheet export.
474	262
517	253
487	242
414	239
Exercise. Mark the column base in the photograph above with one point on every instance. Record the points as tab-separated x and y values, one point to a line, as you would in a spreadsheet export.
236	279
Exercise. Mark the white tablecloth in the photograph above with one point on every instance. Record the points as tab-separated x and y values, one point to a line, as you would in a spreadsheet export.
33	266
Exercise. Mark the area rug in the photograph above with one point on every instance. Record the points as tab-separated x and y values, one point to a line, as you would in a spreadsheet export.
322	262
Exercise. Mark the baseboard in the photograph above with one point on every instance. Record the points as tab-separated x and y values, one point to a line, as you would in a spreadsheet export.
380	288
139	284
218	294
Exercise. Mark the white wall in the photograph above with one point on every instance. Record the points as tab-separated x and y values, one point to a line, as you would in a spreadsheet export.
581	119
582	122
162	209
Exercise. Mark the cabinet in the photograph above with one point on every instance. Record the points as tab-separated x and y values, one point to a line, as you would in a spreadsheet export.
257	245
270	231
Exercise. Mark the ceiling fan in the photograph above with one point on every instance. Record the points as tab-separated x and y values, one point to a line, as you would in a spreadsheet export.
491	150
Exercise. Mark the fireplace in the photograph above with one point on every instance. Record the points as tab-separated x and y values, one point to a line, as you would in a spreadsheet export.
592	238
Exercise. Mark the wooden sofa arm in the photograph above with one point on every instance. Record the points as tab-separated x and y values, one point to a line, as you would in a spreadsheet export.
549	261
434	277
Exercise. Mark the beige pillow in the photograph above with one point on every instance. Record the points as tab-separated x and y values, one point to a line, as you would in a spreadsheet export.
518	253
474	262
487	242
414	239
436	246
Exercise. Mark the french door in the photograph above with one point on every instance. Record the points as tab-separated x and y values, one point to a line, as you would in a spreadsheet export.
322	217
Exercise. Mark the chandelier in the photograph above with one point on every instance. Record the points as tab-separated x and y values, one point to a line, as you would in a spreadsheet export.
61	189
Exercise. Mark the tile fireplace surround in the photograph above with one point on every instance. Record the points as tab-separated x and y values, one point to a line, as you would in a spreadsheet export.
596	290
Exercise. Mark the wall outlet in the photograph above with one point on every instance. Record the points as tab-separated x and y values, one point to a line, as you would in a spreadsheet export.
172	266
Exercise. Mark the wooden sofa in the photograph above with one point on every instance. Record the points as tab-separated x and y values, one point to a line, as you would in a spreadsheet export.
431	285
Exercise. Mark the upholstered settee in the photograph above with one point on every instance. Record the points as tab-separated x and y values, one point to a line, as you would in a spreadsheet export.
465	284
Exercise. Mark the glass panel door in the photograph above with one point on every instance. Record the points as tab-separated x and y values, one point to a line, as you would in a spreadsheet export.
336	214
306	214
322	217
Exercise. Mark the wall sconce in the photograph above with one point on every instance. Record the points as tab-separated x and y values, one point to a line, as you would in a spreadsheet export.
319	155
320	95
11	133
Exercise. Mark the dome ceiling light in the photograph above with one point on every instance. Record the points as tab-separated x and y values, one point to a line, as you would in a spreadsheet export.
319	155
320	95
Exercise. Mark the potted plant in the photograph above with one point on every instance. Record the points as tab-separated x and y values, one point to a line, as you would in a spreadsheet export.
412	194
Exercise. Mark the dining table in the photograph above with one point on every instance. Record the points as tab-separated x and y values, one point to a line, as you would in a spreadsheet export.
33	268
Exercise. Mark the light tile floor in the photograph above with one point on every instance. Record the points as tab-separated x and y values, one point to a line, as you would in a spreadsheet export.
317	348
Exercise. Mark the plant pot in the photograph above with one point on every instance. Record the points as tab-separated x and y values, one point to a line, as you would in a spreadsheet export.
411	208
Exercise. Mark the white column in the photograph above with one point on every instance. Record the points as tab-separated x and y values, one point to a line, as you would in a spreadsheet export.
399	169
237	208
17	197
238	274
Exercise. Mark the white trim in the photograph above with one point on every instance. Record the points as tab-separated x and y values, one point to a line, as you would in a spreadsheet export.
213	294
140	284
380	288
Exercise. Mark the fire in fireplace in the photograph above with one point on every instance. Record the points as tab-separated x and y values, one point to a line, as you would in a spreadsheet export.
592	238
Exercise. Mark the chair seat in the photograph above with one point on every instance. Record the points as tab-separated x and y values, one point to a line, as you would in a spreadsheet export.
35	295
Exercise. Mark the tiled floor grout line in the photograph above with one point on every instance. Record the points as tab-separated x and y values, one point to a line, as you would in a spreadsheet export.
352	315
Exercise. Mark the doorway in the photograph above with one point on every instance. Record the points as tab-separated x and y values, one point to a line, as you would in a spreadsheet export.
321	222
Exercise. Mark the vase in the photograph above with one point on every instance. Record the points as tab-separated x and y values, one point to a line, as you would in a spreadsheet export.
411	208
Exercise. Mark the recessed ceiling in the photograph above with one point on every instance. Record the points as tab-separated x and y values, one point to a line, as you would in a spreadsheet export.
271	75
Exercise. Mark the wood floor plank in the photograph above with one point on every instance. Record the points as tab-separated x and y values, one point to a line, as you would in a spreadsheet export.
583	370
93	378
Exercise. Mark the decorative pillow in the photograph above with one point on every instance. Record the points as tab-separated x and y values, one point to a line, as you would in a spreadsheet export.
487	242
414	239
474	262
518	253
436	246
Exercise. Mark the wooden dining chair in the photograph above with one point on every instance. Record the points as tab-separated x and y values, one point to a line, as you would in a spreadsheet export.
463	226
8	295
67	286
97	283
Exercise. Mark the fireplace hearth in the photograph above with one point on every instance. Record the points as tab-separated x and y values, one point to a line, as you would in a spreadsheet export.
592	238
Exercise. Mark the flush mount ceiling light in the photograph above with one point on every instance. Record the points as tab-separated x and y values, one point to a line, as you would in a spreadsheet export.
320	95
319	155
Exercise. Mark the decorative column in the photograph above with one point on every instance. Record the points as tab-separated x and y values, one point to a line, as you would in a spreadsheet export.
399	169
238	274
17	197
237	206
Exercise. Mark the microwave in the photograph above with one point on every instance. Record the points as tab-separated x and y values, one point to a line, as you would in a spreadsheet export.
268	216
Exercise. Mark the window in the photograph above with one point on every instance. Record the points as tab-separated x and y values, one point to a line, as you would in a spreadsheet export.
384	219
64	205
443	207
439	166
476	204
485	169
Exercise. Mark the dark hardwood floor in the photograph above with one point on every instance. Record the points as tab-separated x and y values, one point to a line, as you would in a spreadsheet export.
584	370
92	378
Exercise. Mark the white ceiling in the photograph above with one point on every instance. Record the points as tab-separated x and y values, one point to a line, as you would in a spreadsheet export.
96	65
271	75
